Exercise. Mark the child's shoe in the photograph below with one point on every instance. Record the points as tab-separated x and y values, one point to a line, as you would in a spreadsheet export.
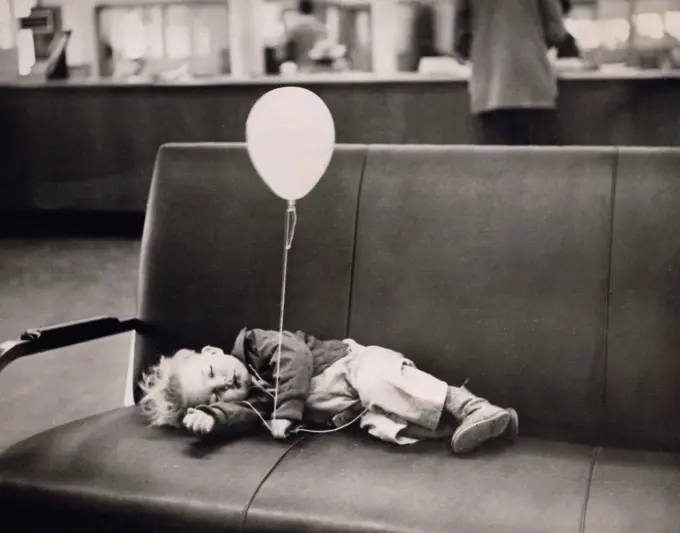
479	420
512	430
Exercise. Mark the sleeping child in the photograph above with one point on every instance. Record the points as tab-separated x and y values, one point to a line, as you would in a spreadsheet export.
329	383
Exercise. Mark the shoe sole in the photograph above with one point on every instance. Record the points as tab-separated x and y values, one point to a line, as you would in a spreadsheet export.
512	430
471	437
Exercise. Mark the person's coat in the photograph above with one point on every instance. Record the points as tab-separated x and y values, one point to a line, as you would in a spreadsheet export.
507	42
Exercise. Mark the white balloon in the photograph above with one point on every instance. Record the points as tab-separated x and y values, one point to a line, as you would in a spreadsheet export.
290	135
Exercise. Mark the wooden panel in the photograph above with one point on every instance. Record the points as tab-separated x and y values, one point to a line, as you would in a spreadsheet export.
92	147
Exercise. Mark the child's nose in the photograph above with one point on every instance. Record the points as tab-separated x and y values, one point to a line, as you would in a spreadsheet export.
220	381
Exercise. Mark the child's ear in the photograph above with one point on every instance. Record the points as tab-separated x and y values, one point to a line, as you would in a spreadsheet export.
212	350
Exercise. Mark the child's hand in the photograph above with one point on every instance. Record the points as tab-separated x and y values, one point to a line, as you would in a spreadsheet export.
199	422
280	428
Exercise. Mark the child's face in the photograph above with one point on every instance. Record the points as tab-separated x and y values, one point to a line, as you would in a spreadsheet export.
210	377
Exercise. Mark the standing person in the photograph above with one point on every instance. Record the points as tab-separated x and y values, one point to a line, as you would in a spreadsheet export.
305	32
513	89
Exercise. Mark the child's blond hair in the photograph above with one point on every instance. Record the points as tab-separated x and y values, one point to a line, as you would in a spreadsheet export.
163	402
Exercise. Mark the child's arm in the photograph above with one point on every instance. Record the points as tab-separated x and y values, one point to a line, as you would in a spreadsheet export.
553	22
227	420
296	369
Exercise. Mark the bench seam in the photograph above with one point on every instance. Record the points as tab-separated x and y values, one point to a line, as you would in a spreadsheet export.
584	512
605	379
354	242
264	480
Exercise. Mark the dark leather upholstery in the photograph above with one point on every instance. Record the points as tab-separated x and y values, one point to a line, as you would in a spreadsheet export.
634	491
109	472
486	263
345	483
643	392
213	250
482	263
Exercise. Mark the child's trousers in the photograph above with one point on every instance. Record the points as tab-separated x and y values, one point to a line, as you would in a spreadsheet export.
392	390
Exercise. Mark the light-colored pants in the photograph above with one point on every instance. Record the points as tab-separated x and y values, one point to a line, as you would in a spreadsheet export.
393	391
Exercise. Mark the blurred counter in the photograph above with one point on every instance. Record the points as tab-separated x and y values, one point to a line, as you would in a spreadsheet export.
341	78
91	145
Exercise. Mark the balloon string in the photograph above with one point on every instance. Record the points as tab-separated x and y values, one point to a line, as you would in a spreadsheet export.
291	222
303	429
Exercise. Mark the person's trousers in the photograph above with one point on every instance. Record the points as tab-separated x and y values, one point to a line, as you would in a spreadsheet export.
393	392
512	127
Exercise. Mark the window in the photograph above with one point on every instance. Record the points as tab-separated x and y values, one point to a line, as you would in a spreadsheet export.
178	32
347	24
24	38
22	8
6	26
620	34
154	39
26	51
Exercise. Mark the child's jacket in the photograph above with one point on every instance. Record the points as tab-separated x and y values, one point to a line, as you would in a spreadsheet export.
302	358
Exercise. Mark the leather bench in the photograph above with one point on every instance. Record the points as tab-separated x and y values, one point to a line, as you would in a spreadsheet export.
549	277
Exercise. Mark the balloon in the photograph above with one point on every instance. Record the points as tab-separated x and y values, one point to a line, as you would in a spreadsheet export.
290	135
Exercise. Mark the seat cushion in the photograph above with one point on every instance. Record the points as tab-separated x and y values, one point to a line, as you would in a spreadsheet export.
348	482
109	472
634	491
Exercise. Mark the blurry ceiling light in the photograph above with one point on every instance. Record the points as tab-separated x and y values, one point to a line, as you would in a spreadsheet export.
614	32
118	36
363	28
288	68
586	33
649	25
273	29
203	42
672	24
177	32
134	44
6	26
154	29
178	42
22	8
26	51
333	23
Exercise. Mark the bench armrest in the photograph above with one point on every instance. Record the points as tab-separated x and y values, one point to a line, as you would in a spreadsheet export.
46	338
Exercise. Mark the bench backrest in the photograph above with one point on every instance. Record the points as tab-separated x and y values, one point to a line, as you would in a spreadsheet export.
489	263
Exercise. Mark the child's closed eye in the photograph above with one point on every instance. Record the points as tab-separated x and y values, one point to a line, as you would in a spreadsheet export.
218	391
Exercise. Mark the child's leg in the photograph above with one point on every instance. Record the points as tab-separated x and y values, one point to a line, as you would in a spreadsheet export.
390	428
386	380
478	419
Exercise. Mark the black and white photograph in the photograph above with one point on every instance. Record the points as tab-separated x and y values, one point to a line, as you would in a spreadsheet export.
340	266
